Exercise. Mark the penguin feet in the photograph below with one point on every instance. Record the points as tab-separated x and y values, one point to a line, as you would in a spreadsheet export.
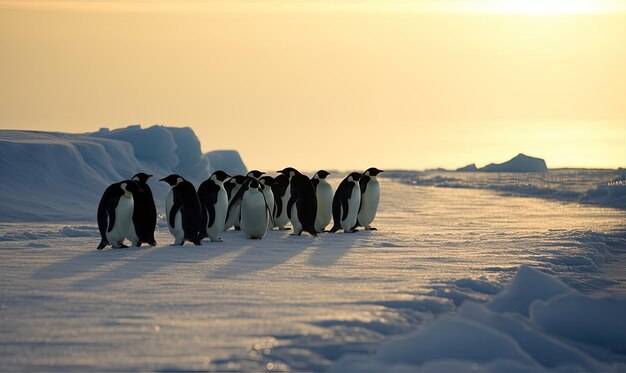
219	239
152	243
351	231
197	242
371	229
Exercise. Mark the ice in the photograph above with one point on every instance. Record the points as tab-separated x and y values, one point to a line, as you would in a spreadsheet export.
445	265
527	286
586	186
227	160
519	163
51	176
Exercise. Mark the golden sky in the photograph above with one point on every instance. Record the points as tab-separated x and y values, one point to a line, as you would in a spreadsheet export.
330	84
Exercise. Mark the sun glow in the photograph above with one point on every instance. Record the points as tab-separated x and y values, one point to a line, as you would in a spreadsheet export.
552	6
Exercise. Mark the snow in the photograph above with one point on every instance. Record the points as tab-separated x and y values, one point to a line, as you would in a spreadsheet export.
588	186
52	176
453	280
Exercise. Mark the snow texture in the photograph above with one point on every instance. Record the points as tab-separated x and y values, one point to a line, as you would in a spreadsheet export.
51	176
587	186
453	280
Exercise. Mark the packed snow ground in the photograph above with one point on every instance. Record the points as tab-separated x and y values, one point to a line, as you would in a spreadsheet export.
416	294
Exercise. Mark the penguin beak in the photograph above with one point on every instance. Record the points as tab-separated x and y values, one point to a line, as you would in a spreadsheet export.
162	179
149	176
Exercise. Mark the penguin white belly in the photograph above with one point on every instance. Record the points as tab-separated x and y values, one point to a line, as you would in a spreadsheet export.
353	209
295	221
269	198
282	219
123	221
324	194
369	204
254	215
177	231
221	207
132	234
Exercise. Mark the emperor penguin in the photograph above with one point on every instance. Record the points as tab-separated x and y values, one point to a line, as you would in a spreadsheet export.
281	192
144	213
370	195
182	210
232	186
346	203
302	204
255	174
324	194
255	212
214	205
115	212
266	187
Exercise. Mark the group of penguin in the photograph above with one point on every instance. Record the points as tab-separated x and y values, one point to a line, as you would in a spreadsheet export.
254	204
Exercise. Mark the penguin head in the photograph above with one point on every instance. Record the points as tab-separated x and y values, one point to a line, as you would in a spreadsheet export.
129	186
255	174
219	176
141	177
253	184
321	174
354	176
289	172
173	179
372	171
281	180
267	180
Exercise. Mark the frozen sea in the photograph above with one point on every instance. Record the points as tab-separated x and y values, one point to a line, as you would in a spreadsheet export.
453	279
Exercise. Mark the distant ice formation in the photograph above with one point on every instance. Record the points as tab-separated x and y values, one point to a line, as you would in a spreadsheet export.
59	176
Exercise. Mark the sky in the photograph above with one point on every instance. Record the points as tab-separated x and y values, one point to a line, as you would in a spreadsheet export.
330	84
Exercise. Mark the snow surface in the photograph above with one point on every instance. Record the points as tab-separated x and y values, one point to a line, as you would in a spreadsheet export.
589	186
50	176
453	280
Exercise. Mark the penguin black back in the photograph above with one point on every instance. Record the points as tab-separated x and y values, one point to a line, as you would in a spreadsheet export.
207	194
185	200
303	195
144	212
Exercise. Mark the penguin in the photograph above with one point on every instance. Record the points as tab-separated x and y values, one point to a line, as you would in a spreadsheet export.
214	204
266	186
324	194
370	195
144	213
281	192
255	211
232	186
255	174
115	213
182	210
302	204
346	204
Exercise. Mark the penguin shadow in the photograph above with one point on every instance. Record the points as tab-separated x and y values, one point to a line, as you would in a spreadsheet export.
81	263
261	255
333	247
153	259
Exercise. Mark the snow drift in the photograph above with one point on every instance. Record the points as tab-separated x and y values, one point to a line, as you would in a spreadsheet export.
58	176
537	323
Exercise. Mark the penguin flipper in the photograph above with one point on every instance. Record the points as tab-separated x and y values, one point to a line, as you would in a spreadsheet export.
344	208
336	215
175	208
363	183
210	208
292	200
278	206
111	213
